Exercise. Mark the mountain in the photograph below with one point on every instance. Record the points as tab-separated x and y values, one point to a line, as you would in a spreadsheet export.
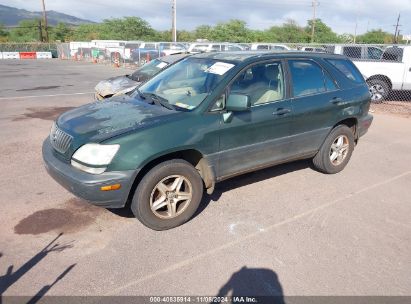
11	16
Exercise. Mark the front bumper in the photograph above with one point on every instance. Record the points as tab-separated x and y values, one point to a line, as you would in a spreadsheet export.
363	124
87	186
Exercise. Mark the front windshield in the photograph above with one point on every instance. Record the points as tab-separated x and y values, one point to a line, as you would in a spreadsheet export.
187	83
148	70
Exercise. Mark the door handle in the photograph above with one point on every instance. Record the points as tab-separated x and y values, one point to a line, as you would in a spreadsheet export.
336	100
281	111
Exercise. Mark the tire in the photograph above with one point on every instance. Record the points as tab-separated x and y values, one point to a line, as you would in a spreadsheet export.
379	90
156	189
330	149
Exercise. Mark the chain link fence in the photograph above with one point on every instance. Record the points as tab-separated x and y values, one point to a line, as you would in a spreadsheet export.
30	47
130	54
386	68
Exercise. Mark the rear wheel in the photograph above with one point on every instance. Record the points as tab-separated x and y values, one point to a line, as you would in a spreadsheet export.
379	90
336	150
168	195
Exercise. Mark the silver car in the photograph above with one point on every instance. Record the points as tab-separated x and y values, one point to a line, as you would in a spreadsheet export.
124	84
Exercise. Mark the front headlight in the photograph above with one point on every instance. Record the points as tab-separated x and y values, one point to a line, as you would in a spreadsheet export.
96	155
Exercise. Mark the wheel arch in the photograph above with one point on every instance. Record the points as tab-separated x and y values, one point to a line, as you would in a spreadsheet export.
193	156
351	122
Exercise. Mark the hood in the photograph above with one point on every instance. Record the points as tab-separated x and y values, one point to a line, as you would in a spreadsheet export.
101	120
114	85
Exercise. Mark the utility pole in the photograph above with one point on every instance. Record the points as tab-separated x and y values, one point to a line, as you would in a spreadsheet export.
174	21
314	5
45	21
397	30
355	30
40	31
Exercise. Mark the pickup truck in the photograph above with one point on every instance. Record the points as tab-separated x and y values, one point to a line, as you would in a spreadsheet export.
392	72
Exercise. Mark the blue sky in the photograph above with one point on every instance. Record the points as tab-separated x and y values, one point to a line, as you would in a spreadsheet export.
259	14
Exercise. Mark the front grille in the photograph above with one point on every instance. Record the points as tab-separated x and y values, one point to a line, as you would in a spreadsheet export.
59	139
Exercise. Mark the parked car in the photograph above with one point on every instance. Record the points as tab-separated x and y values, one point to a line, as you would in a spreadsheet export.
121	85
115	50
392	72
314	49
269	46
207	118
213	47
245	46
151	50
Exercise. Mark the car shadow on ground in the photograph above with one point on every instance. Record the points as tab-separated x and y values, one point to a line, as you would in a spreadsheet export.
261	283
12	276
233	183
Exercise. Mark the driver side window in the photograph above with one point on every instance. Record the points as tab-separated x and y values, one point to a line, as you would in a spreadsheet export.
263	83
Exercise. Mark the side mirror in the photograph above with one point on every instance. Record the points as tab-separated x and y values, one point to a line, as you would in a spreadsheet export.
238	102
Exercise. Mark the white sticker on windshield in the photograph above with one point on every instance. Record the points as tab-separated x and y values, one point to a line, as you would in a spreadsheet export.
161	65
219	68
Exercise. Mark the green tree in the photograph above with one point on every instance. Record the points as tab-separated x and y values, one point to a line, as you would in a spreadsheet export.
61	32
234	31
203	32
26	31
323	33
291	32
185	36
127	28
85	32
375	36
3	34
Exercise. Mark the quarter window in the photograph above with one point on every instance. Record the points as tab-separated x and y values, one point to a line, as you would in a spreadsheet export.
309	78
348	69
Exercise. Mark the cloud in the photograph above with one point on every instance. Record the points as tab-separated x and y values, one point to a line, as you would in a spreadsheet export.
259	14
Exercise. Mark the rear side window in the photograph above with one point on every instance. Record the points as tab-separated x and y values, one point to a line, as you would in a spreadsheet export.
393	54
309	78
352	51
262	47
348	69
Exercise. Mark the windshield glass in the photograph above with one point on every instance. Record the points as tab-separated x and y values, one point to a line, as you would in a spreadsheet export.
187	83
148	70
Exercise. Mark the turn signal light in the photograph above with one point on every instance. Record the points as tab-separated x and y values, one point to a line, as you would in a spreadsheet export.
110	187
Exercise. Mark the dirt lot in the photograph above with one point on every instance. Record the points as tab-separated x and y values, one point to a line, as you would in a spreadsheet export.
285	230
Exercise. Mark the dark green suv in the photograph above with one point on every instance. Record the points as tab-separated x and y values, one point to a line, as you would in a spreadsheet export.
207	118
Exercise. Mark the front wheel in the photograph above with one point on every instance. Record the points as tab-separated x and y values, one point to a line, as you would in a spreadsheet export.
168	195
336	150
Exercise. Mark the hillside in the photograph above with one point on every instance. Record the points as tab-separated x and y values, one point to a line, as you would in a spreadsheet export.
11	16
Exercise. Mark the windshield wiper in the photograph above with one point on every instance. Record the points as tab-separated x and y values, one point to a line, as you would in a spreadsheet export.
160	101
141	95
